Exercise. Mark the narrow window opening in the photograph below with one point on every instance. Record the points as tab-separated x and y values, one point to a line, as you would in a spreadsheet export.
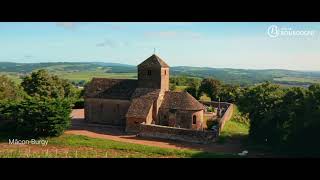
194	119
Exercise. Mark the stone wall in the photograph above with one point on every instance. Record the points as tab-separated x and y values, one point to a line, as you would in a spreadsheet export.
216	104
133	123
165	79
226	115
106	111
149	77
180	134
180	118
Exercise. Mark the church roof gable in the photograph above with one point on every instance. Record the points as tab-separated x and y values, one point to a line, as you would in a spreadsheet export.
152	61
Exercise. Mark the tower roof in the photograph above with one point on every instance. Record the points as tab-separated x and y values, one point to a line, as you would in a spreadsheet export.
153	60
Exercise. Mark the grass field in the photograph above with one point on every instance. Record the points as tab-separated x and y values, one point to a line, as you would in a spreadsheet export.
76	146
298	79
78	76
87	76
234	128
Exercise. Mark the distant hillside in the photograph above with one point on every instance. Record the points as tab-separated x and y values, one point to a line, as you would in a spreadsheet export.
249	76
65	66
77	71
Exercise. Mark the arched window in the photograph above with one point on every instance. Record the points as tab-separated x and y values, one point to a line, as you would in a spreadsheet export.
165	72
194	119
149	72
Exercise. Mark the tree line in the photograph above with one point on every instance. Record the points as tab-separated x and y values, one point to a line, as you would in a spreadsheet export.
282	118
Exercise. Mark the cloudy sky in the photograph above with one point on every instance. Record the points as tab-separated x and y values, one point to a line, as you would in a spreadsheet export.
221	45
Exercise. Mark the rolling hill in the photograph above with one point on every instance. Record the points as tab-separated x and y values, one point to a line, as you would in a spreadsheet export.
77	71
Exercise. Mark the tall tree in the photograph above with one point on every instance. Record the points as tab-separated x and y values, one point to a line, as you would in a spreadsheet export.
41	83
211	87
229	93
9	90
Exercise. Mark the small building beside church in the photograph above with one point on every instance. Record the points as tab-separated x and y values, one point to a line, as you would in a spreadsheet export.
128	103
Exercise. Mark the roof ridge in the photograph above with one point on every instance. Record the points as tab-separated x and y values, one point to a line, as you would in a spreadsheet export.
154	59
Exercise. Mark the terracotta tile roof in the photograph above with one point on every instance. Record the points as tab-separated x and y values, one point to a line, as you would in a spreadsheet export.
153	60
180	100
149	93
139	108
142	100
110	88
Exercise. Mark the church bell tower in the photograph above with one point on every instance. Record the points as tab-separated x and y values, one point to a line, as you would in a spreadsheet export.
153	73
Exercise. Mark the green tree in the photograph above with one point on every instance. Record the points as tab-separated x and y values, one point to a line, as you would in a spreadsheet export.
38	116
41	83
229	93
263	103
211	87
9	90
193	88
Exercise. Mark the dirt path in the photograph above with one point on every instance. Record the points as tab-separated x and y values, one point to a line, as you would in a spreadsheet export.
111	133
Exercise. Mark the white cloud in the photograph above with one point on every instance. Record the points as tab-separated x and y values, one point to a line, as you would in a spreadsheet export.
67	25
173	34
112	43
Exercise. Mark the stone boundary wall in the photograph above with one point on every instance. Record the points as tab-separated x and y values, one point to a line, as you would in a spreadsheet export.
216	104
226	116
180	134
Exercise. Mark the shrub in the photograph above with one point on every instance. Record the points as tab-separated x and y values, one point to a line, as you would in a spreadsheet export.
41	83
38	117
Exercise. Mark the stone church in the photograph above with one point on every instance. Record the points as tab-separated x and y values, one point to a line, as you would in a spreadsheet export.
127	103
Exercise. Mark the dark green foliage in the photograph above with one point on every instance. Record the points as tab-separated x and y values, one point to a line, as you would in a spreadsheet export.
229	93
184	80
193	89
211	87
283	118
263	104
41	83
38	117
46	111
9	90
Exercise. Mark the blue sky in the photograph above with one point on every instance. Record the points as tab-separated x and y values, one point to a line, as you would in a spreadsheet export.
221	45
